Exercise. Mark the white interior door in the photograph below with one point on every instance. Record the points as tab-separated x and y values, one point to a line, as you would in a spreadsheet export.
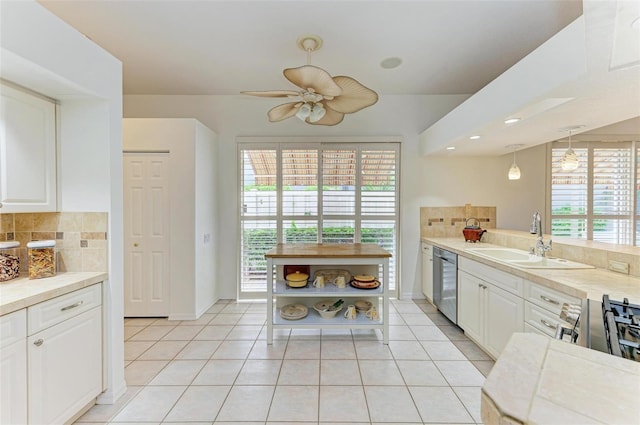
146	235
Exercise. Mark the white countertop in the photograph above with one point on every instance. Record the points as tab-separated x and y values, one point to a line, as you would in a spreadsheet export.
538	380
580	283
22	292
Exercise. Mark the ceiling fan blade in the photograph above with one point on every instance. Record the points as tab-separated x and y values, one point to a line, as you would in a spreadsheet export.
284	111
331	117
354	96
272	93
312	77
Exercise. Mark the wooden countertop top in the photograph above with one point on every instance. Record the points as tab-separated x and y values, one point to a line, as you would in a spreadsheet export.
21	293
325	250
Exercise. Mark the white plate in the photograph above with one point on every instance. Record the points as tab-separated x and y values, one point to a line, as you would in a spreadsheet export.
294	311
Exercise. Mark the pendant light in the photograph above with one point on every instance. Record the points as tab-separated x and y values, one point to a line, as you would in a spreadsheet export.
514	170
570	159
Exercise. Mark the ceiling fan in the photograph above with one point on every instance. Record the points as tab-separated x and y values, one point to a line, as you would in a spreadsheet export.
322	99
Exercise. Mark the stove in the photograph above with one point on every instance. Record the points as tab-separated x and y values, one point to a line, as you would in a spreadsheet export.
622	327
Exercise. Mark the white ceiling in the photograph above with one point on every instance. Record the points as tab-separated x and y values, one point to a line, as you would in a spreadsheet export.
447	46
223	47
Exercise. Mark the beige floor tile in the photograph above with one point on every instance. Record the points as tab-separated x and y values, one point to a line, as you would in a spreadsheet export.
259	372
339	372
484	366
439	405
246	332
151	333
164	321
235	308
247	403
226	319
198	403
219	372
407	307
380	372
163	350
233	350
338	334
366	334
278	334
401	333
134	349
150	404
253	318
460	373
130	331
337	349
381	398
396	320
299	372
471	350
104	412
417	319
343	403
423	373
141	372
303	349
294	404
454	333
200	321
428	333
408	350
183	333
443	350
262	350
178	372
138	321
198	350
470	397
297	334
372	350
213	332
439	319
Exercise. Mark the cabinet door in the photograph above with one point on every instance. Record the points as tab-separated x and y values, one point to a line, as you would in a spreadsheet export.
65	368
13	382
427	271
470	305
27	152
504	315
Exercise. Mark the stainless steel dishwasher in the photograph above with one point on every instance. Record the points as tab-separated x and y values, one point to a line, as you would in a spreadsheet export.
445	283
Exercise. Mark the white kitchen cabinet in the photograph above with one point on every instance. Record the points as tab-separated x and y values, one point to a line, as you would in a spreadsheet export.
27	152
543	306
427	271
487	313
13	368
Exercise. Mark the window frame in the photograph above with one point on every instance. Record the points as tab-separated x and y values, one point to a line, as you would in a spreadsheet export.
605	142
280	144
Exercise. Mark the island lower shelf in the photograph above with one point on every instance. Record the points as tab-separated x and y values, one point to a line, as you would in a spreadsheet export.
313	320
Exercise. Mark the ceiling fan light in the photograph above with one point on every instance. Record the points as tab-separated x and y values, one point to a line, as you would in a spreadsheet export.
317	112
304	112
570	160
514	172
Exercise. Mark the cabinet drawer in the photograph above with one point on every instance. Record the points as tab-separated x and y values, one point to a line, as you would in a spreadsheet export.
542	319
13	327
548	298
427	249
533	330
56	310
503	280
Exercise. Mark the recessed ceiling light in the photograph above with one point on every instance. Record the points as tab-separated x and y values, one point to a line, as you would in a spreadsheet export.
451	148
511	120
476	137
390	63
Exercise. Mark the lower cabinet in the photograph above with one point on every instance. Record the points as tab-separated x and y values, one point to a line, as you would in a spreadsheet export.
13	368
65	368
487	313
51	358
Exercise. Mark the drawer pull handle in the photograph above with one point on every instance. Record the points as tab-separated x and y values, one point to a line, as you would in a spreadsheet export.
549	300
69	307
38	342
547	324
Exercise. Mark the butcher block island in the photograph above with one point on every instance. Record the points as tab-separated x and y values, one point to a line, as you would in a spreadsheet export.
346	288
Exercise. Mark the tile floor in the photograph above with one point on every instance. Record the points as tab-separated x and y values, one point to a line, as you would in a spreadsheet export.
219	370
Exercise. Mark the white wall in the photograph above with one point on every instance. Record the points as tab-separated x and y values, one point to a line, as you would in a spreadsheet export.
191	164
41	52
431	181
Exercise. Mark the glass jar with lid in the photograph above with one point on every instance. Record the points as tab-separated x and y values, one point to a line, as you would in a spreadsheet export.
9	260
42	258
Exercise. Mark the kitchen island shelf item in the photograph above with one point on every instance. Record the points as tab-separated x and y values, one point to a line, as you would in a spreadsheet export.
337	256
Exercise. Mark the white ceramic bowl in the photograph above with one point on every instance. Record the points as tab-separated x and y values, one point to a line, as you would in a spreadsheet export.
326	314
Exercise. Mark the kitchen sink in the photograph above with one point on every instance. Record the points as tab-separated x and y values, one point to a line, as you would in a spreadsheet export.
520	258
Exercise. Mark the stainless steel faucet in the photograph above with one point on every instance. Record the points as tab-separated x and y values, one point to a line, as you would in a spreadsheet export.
536	228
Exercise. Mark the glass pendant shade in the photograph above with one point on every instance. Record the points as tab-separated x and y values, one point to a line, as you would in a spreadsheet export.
570	160
514	172
317	112
304	112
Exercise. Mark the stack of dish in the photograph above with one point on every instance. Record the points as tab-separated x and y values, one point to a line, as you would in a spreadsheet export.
362	306
364	282
294	311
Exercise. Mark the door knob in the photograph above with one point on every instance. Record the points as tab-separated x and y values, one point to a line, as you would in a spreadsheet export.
38	342
135	244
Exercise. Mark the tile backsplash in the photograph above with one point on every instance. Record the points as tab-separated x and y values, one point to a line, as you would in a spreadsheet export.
81	237
448	222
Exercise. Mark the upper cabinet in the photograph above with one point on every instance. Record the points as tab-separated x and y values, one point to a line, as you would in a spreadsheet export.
27	152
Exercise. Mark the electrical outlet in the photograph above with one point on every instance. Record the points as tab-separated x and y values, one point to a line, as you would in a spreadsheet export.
619	267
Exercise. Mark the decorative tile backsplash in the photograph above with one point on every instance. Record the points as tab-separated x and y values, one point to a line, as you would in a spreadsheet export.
81	238
448	222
